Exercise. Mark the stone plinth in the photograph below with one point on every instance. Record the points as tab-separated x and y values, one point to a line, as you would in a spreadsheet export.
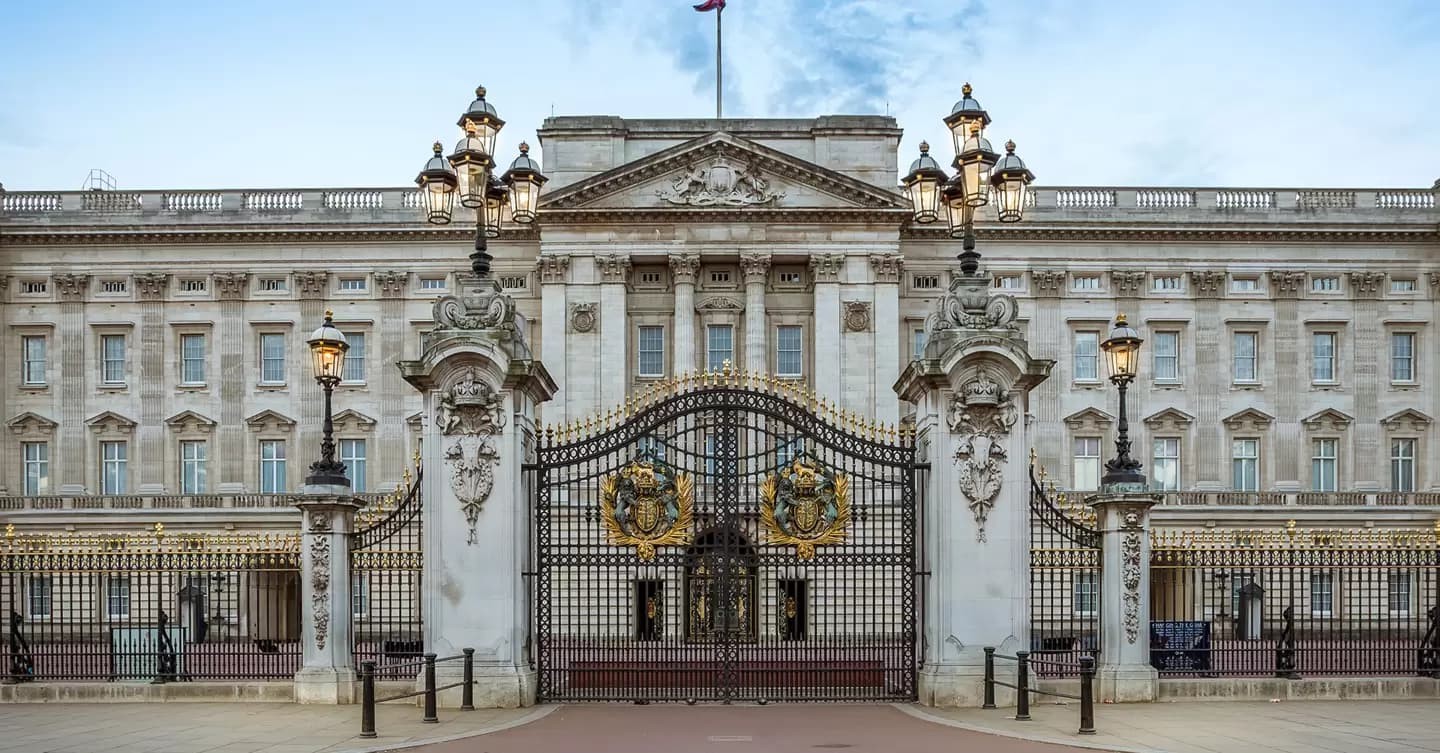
1124	673
327	674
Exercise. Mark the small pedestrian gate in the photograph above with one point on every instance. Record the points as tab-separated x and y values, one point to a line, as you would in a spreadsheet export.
726	537
1064	580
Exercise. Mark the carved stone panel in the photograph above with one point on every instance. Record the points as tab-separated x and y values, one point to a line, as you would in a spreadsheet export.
720	181
471	413
857	316
583	316
981	414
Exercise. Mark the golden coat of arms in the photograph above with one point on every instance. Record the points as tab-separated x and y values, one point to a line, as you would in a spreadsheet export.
805	505
647	504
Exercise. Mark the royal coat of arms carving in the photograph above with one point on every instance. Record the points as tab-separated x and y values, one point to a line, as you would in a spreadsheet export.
471	413
648	504
805	505
720	183
981	414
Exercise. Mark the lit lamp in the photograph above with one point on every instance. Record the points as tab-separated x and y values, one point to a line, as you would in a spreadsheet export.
437	182
972	164
963	115
922	185
524	180
495	204
472	164
1122	352
1011	180
327	351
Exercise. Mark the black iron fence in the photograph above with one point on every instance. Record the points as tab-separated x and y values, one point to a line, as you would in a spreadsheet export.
154	606
1295	602
1065	581
386	561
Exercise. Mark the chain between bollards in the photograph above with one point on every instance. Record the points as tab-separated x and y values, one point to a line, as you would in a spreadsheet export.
1022	686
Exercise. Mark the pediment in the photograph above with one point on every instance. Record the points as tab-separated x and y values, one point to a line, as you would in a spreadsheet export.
416	421
1249	418
190	421
32	424
1406	420
270	420
722	172
352	420
1328	419
1173	419
1089	418
110	421
720	303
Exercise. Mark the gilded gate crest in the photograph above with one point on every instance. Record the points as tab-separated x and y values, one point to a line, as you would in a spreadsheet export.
806	505
647	504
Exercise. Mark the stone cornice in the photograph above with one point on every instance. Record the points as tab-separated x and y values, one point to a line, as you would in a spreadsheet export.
1181	233
49	236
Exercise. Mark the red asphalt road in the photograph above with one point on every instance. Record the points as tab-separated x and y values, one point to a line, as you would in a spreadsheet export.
737	729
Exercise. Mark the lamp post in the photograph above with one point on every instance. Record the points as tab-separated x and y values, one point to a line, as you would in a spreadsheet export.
981	176
327	350
469	175
1122	351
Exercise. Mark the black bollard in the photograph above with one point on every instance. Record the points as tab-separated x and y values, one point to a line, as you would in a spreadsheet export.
367	699
989	702
430	717
467	692
1022	686
1087	695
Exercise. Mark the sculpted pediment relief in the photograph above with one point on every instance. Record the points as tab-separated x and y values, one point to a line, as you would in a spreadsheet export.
349	420
720	303
30	424
110	422
721	172
269	420
190	422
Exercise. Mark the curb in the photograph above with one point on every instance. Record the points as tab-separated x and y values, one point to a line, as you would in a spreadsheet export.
1089	744
539	712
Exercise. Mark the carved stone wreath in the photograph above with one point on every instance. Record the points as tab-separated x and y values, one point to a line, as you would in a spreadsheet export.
857	316
582	317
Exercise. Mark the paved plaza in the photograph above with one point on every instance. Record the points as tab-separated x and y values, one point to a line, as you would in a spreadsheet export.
1197	727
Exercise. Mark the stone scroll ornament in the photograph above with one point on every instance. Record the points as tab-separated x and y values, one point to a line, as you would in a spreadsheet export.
1130	575
320	576
647	504
805	505
981	413
471	413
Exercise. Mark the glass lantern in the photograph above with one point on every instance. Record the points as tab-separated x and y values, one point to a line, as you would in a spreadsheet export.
922	186
437	182
1122	350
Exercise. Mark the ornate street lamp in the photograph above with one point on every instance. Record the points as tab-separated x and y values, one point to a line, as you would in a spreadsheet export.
1122	351
470	173
922	186
327	350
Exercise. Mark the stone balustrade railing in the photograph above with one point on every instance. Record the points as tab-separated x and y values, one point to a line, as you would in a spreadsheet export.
160	502
1059	203
1309	499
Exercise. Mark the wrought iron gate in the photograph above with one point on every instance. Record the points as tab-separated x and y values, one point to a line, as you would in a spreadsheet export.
1064	580
726	537
386	563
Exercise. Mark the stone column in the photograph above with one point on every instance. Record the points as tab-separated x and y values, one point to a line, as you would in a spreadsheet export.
554	272
1211	382
1125	673
149	355
683	269
480	391
327	674
1433	371
614	328
314	287
12	477
72	454
756	268
230	435
1048	333
1372	371
890	342
1291	401
825	271
388	343
971	393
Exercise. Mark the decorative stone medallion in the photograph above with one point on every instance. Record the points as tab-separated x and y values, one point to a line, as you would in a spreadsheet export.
471	413
582	317
857	316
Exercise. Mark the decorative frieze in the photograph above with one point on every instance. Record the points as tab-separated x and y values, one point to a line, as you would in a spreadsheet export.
684	268
554	269
887	268
152	286
613	267
826	267
1049	283
312	284
392	283
1128	284
1287	283
583	316
232	286
719	303
755	267
71	287
857	316
1366	284
1208	283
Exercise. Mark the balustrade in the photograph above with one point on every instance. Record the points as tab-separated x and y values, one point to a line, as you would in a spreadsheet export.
31	202
110	201
354	200
1405	199
1325	199
270	201
1229	199
191	201
1084	198
1164	198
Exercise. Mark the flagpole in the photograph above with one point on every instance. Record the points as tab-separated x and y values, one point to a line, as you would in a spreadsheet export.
719	74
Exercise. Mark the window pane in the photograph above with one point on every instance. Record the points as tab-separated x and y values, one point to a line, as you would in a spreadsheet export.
651	349
272	358
1086	463
192	359
1323	357
720	346
192	467
112	359
1167	356
113	475
1322	465
1087	351
1402	357
1166	464
1402	465
354	370
272	466
34	365
789	353
1244	356
917	344
36	462
352	454
1245	465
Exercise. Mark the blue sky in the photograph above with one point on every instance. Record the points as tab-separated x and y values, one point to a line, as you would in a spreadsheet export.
299	94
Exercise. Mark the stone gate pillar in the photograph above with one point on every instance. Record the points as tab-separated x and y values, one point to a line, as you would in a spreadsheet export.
1125	673
480	386
971	391
327	671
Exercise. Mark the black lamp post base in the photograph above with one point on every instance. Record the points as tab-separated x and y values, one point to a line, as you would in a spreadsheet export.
1123	479
327	474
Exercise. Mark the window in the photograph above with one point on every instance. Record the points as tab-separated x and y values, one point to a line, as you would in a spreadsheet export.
1402	286
789	352
272	358
192	467
1167	356
917	343
1324	284
1245	285
789	278
352	454
272	285
36	461
652	279
1010	282
354	370
513	282
1322	594
1087	356
787	449
33	367
1087	594
1245	465
192	359
112	359
1402	357
1242	351
113	462
1402	465
193	286
359	595
113	286
649	446
272	466
1398	587
1168	283
1322	465
1086	464
924	282
719	346
1086	282
41	593
35	287
432	283
1166	464
650	349
720	275
117	597
1322	357
352	284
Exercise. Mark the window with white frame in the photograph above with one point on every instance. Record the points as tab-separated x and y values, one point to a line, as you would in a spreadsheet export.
1243	356
1165	465
352	454
35	459
917	343
33	353
114	467
272	285
1403	285
193	467
113	287
359	595
787	448
352	284
1322	357
1086	597
40	597
1245	465
1085	282
1167	356
924	282
432	283
1168	283
1324	284
650	351
1244	284
272	466
1322	594
1086	356
112	359
354	368
117	597
194	285
1398	592
192	359
272	358
1402	465
789	351
719	346
1010	282
1402	356
1085	464
1323	465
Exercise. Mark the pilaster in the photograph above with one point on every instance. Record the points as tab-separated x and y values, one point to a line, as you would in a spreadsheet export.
756	269
825	271
10	476
1211	383
72	450
390	455
1047	333
151	289
554	272
1125	673
1290	358
327	672
683	269
614	329
889	340
1372	370
230	336
313	288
